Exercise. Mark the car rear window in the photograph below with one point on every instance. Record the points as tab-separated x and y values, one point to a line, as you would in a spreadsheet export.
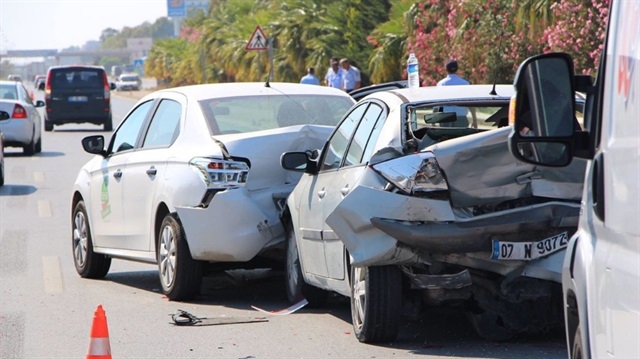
77	78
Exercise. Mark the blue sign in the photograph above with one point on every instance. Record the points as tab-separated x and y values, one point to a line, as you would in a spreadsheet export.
176	8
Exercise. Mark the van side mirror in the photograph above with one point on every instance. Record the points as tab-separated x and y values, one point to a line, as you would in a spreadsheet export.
542	111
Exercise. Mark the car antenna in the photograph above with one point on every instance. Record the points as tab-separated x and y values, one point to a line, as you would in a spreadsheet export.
493	89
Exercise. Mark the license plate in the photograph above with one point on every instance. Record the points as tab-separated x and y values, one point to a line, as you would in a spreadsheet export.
526	251
77	98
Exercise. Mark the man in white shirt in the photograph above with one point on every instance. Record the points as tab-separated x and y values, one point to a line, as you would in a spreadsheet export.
351	76
452	78
334	74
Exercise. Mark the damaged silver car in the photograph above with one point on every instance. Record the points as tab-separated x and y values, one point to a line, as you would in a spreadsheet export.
416	201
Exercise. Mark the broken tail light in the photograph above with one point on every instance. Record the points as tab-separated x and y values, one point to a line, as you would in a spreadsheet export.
415	173
219	173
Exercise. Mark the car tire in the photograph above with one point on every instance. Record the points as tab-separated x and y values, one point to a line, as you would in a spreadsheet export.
376	303
297	288
30	148
48	126
108	125
577	350
1	175
38	148
88	263
180	275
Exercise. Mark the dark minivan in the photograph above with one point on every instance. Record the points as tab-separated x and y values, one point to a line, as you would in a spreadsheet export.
77	94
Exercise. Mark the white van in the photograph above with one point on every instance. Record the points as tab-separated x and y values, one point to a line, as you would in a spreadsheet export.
601	273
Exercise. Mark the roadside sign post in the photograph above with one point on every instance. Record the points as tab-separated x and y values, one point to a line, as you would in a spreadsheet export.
259	42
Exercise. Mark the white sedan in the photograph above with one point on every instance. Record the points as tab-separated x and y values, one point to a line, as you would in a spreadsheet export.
191	179
415	200
24	126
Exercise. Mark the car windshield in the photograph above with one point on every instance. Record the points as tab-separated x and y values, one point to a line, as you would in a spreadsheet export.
460	116
76	78
257	113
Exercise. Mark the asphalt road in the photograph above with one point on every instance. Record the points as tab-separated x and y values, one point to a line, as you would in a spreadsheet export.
46	309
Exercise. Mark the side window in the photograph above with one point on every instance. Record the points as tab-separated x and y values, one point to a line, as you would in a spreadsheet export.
164	128
126	136
337	146
363	136
25	94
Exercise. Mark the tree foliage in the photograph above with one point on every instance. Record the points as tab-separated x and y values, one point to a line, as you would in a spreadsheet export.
489	38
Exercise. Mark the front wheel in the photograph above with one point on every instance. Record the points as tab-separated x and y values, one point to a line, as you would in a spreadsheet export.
297	288
376	303
88	263
180	274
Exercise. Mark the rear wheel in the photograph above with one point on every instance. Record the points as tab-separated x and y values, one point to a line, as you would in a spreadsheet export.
108	125
297	288
48	126
30	148
88	263
180	274
39	145
1	174
376	299
489	326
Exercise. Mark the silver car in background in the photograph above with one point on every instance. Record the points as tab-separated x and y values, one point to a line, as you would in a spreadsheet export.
23	128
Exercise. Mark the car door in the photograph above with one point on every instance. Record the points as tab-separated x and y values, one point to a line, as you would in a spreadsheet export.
145	168
311	219
345	178
107	200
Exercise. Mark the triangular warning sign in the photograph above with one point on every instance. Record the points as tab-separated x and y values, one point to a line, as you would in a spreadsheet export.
258	40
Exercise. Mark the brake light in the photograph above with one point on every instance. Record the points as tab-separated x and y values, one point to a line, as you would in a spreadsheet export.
219	173
47	88
107	90
19	112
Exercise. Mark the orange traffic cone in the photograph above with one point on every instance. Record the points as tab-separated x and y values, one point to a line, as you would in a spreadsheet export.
99	347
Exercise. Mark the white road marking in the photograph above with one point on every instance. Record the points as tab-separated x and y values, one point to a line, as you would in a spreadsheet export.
38	177
44	208
52	275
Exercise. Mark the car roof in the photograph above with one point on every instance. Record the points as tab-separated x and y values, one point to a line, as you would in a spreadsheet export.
8	82
58	67
234	89
445	93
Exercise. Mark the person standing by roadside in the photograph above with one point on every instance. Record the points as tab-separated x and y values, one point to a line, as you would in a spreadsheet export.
334	74
310	78
452	77
351	76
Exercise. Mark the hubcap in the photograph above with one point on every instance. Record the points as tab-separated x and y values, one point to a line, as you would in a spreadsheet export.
358	297
167	256
80	241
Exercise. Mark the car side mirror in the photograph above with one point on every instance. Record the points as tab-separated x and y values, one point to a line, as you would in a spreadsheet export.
112	86
300	161
39	103
542	111
94	144
41	86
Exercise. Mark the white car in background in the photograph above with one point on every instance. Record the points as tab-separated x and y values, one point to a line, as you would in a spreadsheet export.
191	179
24	126
415	201
128	82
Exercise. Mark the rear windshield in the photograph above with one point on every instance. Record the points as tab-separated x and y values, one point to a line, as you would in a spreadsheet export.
131	78
257	113
77	78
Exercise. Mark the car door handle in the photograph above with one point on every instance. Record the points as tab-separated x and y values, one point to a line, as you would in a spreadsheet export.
117	174
152	171
321	194
344	190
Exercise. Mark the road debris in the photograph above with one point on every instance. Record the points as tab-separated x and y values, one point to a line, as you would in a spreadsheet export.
183	318
285	311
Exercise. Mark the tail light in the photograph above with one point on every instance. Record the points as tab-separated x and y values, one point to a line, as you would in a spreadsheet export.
47	87
107	90
415	173
19	112
219	173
